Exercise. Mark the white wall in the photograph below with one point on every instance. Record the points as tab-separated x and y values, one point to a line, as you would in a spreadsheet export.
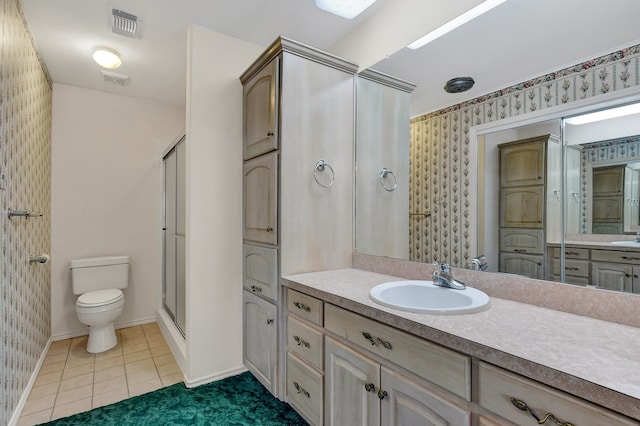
214	203
106	194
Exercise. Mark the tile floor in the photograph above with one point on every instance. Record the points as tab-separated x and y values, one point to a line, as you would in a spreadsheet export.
72	380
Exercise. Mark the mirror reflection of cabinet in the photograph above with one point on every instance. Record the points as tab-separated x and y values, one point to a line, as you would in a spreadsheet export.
608	188
522	206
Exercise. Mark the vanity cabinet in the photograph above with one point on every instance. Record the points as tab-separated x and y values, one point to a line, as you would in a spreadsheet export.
298	121
523	206
497	386
616	270
376	374
305	356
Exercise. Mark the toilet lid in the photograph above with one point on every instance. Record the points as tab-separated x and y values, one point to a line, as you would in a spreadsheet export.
100	297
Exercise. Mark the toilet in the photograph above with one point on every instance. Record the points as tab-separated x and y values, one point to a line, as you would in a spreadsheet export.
98	281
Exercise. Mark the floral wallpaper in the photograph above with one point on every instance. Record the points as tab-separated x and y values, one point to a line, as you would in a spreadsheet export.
25	184
440	180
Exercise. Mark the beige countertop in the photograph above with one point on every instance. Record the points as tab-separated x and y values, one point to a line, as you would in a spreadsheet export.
593	359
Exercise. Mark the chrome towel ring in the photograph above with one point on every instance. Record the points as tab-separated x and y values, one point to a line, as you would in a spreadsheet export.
383	174
319	168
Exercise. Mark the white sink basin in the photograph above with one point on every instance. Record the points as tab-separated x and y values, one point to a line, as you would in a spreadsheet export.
626	243
426	297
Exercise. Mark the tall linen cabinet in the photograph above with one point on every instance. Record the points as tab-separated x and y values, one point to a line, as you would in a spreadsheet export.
298	187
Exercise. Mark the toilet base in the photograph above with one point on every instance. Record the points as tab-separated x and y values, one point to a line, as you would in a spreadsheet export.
101	338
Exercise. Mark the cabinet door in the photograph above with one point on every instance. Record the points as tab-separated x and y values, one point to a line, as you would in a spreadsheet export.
531	266
411	401
607	209
636	280
522	207
611	276
522	240
260	112
522	164
261	199
608	180
260	270
351	385
260	334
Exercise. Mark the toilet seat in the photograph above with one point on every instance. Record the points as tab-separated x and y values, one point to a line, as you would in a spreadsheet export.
100	298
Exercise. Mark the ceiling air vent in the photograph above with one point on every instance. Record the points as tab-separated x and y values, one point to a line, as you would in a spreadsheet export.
125	23
112	77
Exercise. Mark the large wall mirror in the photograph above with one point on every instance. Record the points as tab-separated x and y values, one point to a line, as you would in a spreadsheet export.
587	180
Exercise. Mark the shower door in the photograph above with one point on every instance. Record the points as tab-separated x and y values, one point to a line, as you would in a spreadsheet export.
173	294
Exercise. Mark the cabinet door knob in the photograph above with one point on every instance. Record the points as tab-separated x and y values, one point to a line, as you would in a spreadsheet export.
382	394
256	289
369	387
270	321
269	229
270	133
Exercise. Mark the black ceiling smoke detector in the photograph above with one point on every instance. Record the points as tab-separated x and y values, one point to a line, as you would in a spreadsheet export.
459	84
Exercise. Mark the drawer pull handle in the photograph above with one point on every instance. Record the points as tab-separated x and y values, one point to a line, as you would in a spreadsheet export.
256	289
301	390
269	321
270	133
570	268
630	258
521	405
369	387
520	250
571	253
302	306
375	341
382	394
301	342
269	229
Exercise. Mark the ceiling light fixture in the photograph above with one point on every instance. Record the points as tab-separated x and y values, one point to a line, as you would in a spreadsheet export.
483	7
459	84
107	58
348	9
604	114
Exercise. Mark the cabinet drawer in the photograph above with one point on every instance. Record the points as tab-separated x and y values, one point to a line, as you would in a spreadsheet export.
616	256
260	270
497	386
305	389
575	268
572	280
305	341
571	253
304	306
441	366
529	241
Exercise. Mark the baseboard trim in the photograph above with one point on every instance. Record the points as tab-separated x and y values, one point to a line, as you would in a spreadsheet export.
27	390
174	339
215	377
85	331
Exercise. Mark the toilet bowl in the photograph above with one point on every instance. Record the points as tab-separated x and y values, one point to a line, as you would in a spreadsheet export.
98	309
98	282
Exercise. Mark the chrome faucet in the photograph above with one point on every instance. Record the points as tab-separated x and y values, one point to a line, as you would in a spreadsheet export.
442	277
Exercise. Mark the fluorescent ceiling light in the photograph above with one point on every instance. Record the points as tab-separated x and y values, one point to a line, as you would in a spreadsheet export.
107	58
348	9
456	22
604	114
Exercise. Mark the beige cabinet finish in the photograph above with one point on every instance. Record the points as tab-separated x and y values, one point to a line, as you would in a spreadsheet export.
260	270
522	163
305	389
523	207
616	276
446	368
305	356
351	383
607	200
260	114
496	387
608	181
260	199
260	333
298	109
411	401
362	391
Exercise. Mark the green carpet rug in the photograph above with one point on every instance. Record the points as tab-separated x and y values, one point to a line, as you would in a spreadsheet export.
238	400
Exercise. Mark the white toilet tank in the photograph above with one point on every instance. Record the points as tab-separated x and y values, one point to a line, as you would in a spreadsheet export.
99	273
